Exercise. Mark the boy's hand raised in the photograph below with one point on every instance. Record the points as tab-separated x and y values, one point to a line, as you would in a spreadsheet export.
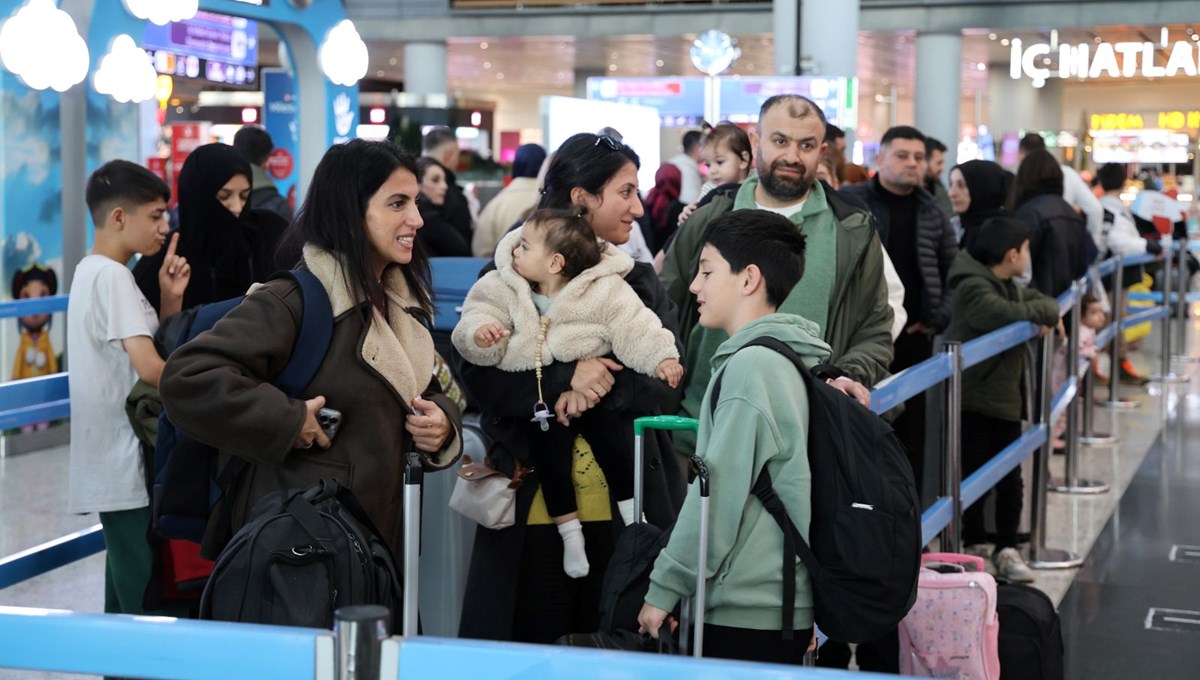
175	272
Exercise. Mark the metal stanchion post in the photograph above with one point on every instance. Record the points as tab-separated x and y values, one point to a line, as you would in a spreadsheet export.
1165	374
1114	345
413	476
1071	483
1182	306
360	632
1037	554
952	464
1090	437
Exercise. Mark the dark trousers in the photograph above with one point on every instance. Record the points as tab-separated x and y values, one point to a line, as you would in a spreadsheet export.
911	350
982	438
763	646
880	656
610	434
550	604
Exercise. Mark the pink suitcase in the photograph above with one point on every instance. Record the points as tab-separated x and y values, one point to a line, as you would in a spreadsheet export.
952	631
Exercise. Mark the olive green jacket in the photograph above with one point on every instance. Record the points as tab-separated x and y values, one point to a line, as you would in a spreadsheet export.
859	321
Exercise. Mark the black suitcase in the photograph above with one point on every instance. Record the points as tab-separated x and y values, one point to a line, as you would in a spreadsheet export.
1031	646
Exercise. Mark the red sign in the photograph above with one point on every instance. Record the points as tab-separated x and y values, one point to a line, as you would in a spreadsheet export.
158	166
185	138
280	163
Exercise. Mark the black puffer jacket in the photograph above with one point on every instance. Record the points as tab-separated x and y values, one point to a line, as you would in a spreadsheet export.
1058	242
936	247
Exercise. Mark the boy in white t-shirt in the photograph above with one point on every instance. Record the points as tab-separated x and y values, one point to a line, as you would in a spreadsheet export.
110	329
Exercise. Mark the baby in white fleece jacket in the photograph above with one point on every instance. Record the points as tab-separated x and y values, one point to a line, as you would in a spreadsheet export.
558	294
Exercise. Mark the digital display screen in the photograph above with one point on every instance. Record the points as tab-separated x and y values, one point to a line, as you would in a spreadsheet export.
741	98
680	101
214	38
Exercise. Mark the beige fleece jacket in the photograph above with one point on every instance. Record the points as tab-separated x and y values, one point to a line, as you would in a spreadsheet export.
596	313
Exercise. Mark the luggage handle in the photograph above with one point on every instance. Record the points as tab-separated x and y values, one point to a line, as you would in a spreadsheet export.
640	425
955	559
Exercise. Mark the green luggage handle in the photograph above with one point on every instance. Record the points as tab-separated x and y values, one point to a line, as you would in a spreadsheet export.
640	425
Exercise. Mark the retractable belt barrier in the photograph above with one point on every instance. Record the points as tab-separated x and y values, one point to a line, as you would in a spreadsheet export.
115	644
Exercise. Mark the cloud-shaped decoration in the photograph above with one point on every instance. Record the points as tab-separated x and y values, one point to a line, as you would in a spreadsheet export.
126	73
162	12
343	55
41	45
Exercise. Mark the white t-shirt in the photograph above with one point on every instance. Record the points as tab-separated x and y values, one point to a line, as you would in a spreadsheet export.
787	210
105	307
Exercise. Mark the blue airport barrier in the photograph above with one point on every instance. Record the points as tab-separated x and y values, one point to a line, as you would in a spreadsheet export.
910	382
421	658
157	647
51	555
45	305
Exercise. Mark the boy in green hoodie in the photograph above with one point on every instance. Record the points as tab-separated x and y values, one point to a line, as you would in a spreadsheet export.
993	401
750	262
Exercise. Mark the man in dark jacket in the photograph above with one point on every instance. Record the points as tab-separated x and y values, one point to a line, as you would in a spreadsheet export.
256	145
935	164
441	145
921	242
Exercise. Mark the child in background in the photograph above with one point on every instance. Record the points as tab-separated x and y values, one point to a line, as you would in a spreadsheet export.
558	294
994	397
1091	322
110	326
727	155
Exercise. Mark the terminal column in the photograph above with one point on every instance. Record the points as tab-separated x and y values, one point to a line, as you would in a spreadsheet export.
939	89
425	68
828	38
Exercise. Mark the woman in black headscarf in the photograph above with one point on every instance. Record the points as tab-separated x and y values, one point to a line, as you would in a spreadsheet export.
228	245
978	190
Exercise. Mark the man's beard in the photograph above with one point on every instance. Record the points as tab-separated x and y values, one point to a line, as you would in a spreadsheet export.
785	189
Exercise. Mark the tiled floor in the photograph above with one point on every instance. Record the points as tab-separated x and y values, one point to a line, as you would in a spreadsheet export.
1127	535
1141	561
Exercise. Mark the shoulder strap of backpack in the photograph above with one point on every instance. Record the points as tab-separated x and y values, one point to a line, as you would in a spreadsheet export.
313	338
794	544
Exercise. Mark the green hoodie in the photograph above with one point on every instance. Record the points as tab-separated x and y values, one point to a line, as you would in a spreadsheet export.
763	420
984	303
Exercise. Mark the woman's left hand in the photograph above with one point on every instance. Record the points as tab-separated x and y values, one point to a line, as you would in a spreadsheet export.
431	430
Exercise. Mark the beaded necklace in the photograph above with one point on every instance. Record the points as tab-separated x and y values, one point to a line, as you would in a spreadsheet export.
541	412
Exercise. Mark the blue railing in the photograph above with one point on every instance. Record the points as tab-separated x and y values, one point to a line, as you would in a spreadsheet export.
117	645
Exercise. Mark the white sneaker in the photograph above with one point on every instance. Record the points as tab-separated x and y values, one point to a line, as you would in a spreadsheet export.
983	550
1010	566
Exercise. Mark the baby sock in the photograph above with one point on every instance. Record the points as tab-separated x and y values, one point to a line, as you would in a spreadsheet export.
625	507
575	561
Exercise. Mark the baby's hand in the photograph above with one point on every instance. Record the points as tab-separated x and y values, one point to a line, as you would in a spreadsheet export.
671	371
490	334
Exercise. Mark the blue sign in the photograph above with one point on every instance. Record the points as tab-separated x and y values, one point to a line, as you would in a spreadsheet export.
281	122
673	97
741	98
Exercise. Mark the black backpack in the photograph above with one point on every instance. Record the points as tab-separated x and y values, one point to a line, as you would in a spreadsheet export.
187	482
1031	644
302	555
865	530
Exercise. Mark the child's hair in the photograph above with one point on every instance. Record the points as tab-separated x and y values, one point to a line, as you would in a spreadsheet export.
567	233
765	239
997	236
124	184
1087	301
738	140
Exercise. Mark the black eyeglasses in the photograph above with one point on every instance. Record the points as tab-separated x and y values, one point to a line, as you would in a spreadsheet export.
609	141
